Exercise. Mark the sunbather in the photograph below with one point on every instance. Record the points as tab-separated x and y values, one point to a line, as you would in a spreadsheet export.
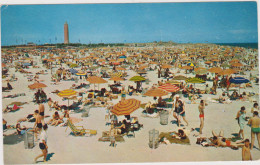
56	119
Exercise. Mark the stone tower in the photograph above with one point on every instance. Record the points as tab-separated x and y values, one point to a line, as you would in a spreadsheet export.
66	33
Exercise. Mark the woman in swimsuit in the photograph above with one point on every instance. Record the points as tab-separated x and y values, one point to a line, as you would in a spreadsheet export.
181	111
122	128
201	116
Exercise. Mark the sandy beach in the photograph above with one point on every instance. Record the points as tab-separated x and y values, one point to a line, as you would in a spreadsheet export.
66	148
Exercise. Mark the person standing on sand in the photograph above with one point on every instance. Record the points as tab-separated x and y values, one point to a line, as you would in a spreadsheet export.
246	154
43	144
41	111
255	128
241	116
38	123
201	116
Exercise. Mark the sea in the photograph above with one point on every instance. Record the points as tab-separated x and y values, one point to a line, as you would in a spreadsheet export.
245	45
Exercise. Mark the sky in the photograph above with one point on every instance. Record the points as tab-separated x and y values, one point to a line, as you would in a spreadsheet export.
212	22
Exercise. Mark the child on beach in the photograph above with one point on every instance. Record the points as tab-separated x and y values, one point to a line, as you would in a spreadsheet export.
246	154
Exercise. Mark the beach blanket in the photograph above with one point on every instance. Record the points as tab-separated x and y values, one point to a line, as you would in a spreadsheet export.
18	103
171	139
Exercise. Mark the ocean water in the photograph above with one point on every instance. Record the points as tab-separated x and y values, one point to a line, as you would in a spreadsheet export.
245	45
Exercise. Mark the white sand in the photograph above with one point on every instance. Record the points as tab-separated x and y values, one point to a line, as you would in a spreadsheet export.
71	149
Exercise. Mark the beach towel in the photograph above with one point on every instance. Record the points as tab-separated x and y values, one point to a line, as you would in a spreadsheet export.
168	136
15	107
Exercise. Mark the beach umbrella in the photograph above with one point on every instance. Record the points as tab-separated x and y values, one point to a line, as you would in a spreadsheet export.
81	74
122	57
239	80
26	64
169	88
120	68
137	78
73	65
194	80
116	78
237	64
190	64
37	85
126	107
96	80
155	92
227	72
173	82
215	70
201	72
180	77
166	66
67	93
73	71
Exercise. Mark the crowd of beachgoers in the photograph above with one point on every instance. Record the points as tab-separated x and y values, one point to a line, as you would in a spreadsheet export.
47	88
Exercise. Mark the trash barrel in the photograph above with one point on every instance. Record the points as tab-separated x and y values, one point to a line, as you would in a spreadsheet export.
153	138
28	140
86	110
164	114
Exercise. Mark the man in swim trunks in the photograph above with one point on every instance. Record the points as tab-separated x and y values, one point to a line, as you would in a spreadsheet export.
201	116
255	128
38	123
41	111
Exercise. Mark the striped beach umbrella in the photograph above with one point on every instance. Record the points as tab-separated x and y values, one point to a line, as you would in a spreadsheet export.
155	92
194	80
169	88
81	74
126	107
67	93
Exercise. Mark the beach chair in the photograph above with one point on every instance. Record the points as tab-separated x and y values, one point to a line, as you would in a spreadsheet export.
79	132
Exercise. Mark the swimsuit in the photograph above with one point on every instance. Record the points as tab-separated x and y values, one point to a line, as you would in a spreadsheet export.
201	115
255	130
228	143
42	113
183	114
39	125
42	146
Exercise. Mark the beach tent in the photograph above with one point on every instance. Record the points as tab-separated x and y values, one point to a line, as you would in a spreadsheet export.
126	107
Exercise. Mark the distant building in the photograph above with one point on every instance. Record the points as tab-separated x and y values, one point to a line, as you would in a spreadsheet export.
66	33
31	44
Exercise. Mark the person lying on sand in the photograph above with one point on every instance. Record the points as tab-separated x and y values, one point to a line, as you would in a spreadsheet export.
225	143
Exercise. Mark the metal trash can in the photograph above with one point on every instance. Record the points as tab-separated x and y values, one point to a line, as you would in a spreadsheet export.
86	110
164	115
153	138
28	140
